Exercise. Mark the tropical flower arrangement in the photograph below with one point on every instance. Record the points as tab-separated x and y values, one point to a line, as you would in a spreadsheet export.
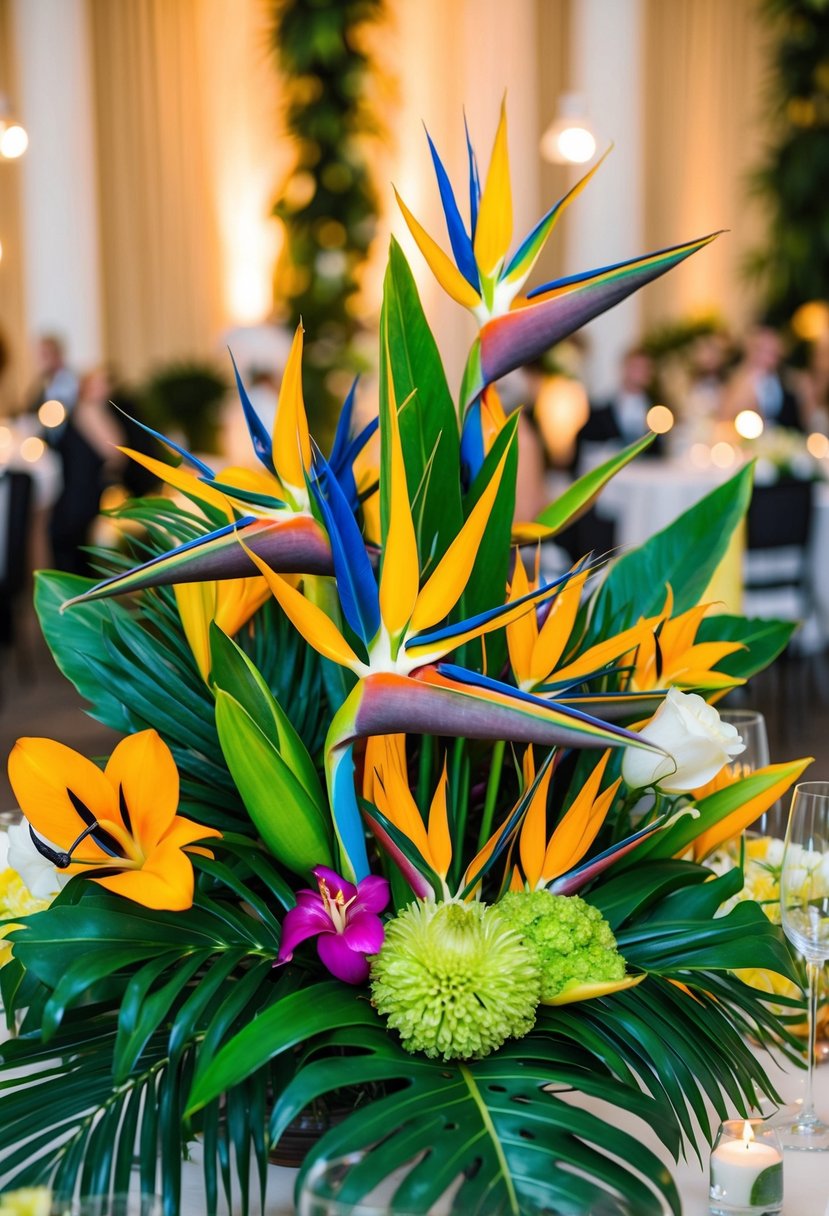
395	823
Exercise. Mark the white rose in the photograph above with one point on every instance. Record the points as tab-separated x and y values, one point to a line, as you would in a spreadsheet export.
698	744
39	875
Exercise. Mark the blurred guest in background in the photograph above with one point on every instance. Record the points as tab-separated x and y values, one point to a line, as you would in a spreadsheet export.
761	382
622	418
709	360
87	446
813	386
55	381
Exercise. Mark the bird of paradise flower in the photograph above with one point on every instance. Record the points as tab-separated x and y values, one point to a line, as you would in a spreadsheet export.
486	278
270	506
395	622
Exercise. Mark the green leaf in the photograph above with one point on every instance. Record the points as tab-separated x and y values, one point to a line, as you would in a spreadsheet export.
487	582
496	1126
293	826
428	423
583	492
684	555
768	1187
286	1024
764	641
235	673
753	793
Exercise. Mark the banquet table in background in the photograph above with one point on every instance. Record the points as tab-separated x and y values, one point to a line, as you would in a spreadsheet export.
648	495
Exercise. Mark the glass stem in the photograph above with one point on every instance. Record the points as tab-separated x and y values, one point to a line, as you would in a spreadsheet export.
813	979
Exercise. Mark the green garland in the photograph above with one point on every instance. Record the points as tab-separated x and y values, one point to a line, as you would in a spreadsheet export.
794	180
327	202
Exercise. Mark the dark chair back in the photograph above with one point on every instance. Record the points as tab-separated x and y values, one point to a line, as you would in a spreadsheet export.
15	566
780	515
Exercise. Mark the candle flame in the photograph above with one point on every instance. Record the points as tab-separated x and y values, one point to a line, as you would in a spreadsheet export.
748	1133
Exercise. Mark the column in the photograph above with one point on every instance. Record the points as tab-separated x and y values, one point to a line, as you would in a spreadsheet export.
61	263
606	223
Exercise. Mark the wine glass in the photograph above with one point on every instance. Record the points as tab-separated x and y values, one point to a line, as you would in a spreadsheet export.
752	729
804	912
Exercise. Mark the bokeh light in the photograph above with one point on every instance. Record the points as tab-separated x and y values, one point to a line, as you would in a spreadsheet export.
31	449
13	142
817	445
52	413
723	455
748	424
659	419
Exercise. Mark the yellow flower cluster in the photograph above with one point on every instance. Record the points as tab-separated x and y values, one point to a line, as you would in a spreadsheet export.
15	900
761	867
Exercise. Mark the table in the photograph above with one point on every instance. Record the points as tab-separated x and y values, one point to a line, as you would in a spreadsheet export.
647	495
806	1175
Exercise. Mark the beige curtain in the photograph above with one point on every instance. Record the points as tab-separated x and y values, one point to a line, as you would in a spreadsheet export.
704	86
188	166
12	317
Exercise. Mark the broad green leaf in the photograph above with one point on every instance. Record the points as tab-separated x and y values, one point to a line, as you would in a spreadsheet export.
764	640
428	423
583	492
684	555
284	1025
726	812
236	674
293	826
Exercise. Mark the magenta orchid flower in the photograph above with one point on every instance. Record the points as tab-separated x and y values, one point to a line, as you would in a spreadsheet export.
344	917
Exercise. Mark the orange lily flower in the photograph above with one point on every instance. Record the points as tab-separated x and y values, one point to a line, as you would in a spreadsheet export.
117	827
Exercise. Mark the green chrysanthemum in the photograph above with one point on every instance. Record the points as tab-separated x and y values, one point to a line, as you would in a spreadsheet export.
454	980
572	941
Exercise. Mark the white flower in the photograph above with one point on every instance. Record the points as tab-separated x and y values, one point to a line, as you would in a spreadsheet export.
39	875
698	744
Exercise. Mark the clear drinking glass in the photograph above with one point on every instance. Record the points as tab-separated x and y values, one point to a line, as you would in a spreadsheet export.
752	727
804	913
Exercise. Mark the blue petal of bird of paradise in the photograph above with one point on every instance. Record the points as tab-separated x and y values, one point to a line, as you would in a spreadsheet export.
296	545
356	584
259	437
199	465
345	810
472	443
575	880
345	449
557	309
458	236
474	181
446	633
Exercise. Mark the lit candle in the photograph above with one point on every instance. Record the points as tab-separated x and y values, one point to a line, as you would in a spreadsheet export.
739	1177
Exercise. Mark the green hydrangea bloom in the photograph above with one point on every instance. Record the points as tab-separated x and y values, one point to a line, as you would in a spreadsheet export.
454	980
572	940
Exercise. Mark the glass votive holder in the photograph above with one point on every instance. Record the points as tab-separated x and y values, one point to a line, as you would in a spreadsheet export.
746	1177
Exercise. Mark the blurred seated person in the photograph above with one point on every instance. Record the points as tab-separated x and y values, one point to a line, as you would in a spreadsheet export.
87	446
709	361
54	380
813	387
622	418
762	383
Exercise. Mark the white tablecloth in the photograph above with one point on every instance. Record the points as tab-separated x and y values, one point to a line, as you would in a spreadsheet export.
648	495
806	1175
